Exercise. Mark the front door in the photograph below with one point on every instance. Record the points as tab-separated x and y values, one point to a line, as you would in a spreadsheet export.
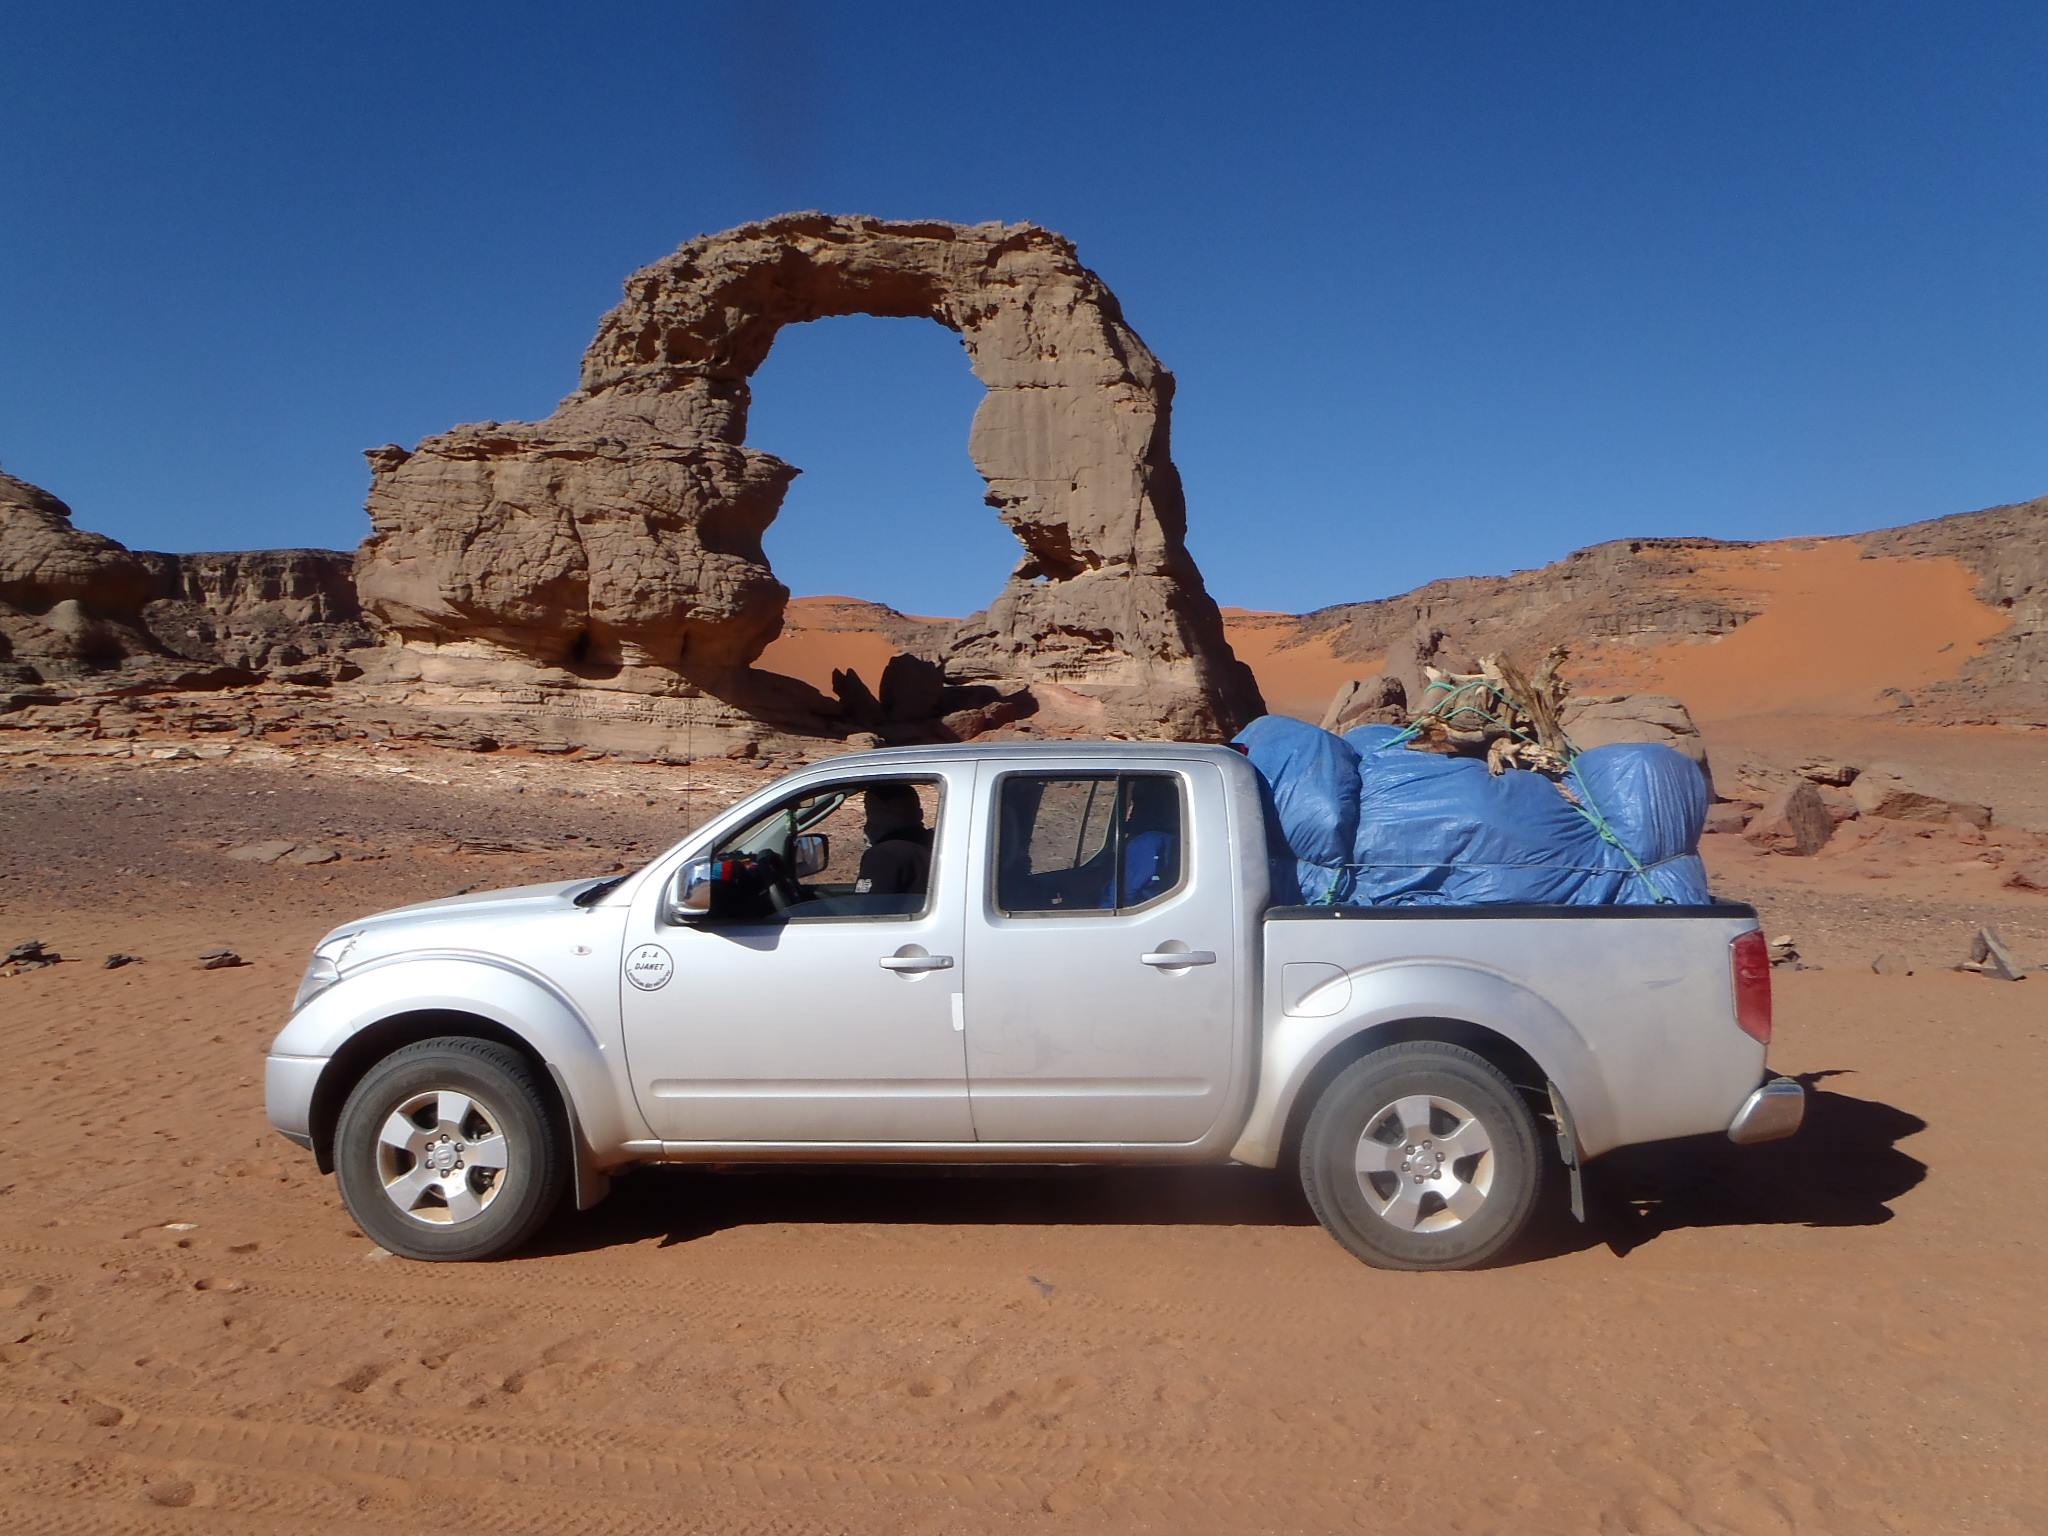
1103	955
831	1015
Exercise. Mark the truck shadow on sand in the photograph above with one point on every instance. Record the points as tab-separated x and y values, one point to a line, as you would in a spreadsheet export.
1842	1169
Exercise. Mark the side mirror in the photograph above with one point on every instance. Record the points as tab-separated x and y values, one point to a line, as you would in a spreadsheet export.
810	852
690	893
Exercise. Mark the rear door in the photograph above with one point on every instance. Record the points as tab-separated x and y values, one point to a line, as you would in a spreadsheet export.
1101	954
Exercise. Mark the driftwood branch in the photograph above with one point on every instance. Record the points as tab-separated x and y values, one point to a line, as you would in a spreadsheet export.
1510	717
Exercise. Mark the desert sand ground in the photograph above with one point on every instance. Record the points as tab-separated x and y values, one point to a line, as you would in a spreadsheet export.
1837	1334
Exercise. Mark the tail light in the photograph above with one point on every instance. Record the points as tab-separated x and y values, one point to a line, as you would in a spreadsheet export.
1749	957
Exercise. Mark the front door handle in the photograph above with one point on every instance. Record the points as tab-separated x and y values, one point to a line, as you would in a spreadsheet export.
1174	959
916	962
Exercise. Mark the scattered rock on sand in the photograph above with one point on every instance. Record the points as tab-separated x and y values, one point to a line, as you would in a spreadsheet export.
1825	770
1889	965
261	853
1785	953
2029	877
1889	792
1792	821
1991	956
220	960
116	960
29	955
312	853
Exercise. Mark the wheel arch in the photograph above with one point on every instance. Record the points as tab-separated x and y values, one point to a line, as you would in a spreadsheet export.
1497	1017
374	1041
1514	1061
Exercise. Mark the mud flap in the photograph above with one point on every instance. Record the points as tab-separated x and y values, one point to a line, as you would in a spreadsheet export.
1568	1149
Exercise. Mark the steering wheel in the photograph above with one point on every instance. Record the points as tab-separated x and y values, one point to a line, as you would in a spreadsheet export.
780	884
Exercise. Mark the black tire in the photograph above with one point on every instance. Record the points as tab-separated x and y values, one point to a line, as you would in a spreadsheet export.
1362	1098
507	1102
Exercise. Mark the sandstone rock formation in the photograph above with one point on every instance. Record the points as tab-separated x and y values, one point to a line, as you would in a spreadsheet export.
70	601
618	542
289	613
76	607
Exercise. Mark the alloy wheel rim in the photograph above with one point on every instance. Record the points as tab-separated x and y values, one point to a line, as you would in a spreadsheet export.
1425	1163
442	1157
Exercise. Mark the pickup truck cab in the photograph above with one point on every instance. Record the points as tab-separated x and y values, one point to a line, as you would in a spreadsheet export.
1054	954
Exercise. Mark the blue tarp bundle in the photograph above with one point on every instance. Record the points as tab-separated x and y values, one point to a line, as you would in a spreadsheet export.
1431	830
1311	779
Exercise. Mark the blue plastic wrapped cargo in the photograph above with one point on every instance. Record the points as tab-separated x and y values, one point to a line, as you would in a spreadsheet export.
1365	819
1655	801
1310	779
1443	831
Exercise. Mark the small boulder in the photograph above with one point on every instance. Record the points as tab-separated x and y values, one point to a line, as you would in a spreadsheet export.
1598	720
1792	821
1841	805
312	853
1889	965
1991	956
1890	793
2029	877
1382	701
1825	770
116	960
1729	816
221	959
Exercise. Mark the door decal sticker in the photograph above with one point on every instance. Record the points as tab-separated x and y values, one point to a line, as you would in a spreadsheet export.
649	967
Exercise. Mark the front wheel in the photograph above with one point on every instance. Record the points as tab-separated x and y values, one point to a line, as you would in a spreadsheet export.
1422	1156
447	1150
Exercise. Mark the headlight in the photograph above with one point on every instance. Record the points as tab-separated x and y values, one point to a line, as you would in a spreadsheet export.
322	971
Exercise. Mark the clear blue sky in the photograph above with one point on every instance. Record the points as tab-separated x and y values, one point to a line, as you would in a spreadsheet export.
1447	287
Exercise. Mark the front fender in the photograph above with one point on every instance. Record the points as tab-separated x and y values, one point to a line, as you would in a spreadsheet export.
1378	996
583	1056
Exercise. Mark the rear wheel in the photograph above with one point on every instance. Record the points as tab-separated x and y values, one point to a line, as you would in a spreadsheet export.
447	1150
1422	1156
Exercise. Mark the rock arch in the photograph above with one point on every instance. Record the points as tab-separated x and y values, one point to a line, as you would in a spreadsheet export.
618	542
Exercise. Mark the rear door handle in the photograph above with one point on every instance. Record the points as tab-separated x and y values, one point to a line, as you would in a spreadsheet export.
916	962
1174	959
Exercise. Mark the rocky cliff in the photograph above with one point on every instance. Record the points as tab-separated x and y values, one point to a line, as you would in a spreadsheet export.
77	608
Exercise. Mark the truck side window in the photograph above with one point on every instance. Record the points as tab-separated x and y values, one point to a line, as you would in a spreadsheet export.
1087	842
878	842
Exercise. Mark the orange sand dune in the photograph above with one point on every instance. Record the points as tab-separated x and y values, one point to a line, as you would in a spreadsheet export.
1836	630
822	633
1298	677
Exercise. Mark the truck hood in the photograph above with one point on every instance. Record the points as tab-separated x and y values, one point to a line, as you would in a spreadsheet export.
426	924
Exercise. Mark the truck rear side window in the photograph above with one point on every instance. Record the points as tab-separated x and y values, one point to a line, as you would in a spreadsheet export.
1082	842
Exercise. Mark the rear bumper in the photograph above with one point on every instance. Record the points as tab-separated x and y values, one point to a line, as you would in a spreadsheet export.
1771	1113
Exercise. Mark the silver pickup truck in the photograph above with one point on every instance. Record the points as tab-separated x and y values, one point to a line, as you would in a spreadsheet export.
1011	953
